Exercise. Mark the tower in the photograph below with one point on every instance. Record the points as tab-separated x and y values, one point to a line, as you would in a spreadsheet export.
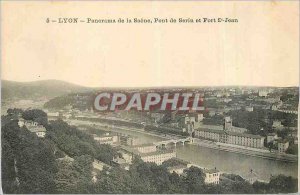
227	123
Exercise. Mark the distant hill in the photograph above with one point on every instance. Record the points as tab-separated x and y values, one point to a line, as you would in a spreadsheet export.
38	89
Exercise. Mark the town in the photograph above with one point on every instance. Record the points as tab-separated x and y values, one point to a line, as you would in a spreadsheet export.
252	123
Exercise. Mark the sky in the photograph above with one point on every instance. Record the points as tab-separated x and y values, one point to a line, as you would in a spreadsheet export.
262	49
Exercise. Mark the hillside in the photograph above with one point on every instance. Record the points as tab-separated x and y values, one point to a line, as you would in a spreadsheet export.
38	89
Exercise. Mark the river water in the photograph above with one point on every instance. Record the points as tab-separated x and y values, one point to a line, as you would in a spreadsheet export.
224	161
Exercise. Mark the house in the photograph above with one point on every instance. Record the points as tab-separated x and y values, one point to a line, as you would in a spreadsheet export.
128	140
33	127
179	169
97	168
127	156
277	123
271	137
157	116
66	159
251	177
39	130
106	138
249	108
99	165
158	156
120	162
283	145
179	166
212	176
211	112
199	117
146	148
263	93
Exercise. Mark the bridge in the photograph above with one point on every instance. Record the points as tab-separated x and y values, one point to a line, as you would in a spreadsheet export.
174	141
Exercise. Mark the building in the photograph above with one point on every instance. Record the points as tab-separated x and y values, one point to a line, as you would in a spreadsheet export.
226	100
39	130
146	148
178	169
212	176
33	127
251	177
53	115
120	162
199	117
158	156
99	165
283	145
227	126
97	168
66	159
229	134
179	166
274	107
127	156
227	123
249	108
124	159
277	124
242	139
26	123
262	93
148	153
288	111
127	140
212	112
271	137
156	116
106	138
189	120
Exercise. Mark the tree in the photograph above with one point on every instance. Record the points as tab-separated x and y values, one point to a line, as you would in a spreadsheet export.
260	187
194	180
293	149
36	115
35	163
28	161
171	162
14	111
114	181
283	184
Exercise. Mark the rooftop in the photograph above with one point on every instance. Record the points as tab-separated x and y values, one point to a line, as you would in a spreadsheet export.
35	129
177	167
144	145
283	141
210	171
212	127
156	153
120	161
239	128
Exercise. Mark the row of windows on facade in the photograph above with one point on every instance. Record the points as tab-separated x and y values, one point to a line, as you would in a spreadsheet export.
231	139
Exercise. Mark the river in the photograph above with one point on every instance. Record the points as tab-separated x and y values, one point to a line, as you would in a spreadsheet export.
224	161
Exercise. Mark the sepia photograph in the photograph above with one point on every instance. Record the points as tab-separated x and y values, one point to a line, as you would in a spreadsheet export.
149	97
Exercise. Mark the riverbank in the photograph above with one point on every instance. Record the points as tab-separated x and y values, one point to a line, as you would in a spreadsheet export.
204	156
261	153
245	150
